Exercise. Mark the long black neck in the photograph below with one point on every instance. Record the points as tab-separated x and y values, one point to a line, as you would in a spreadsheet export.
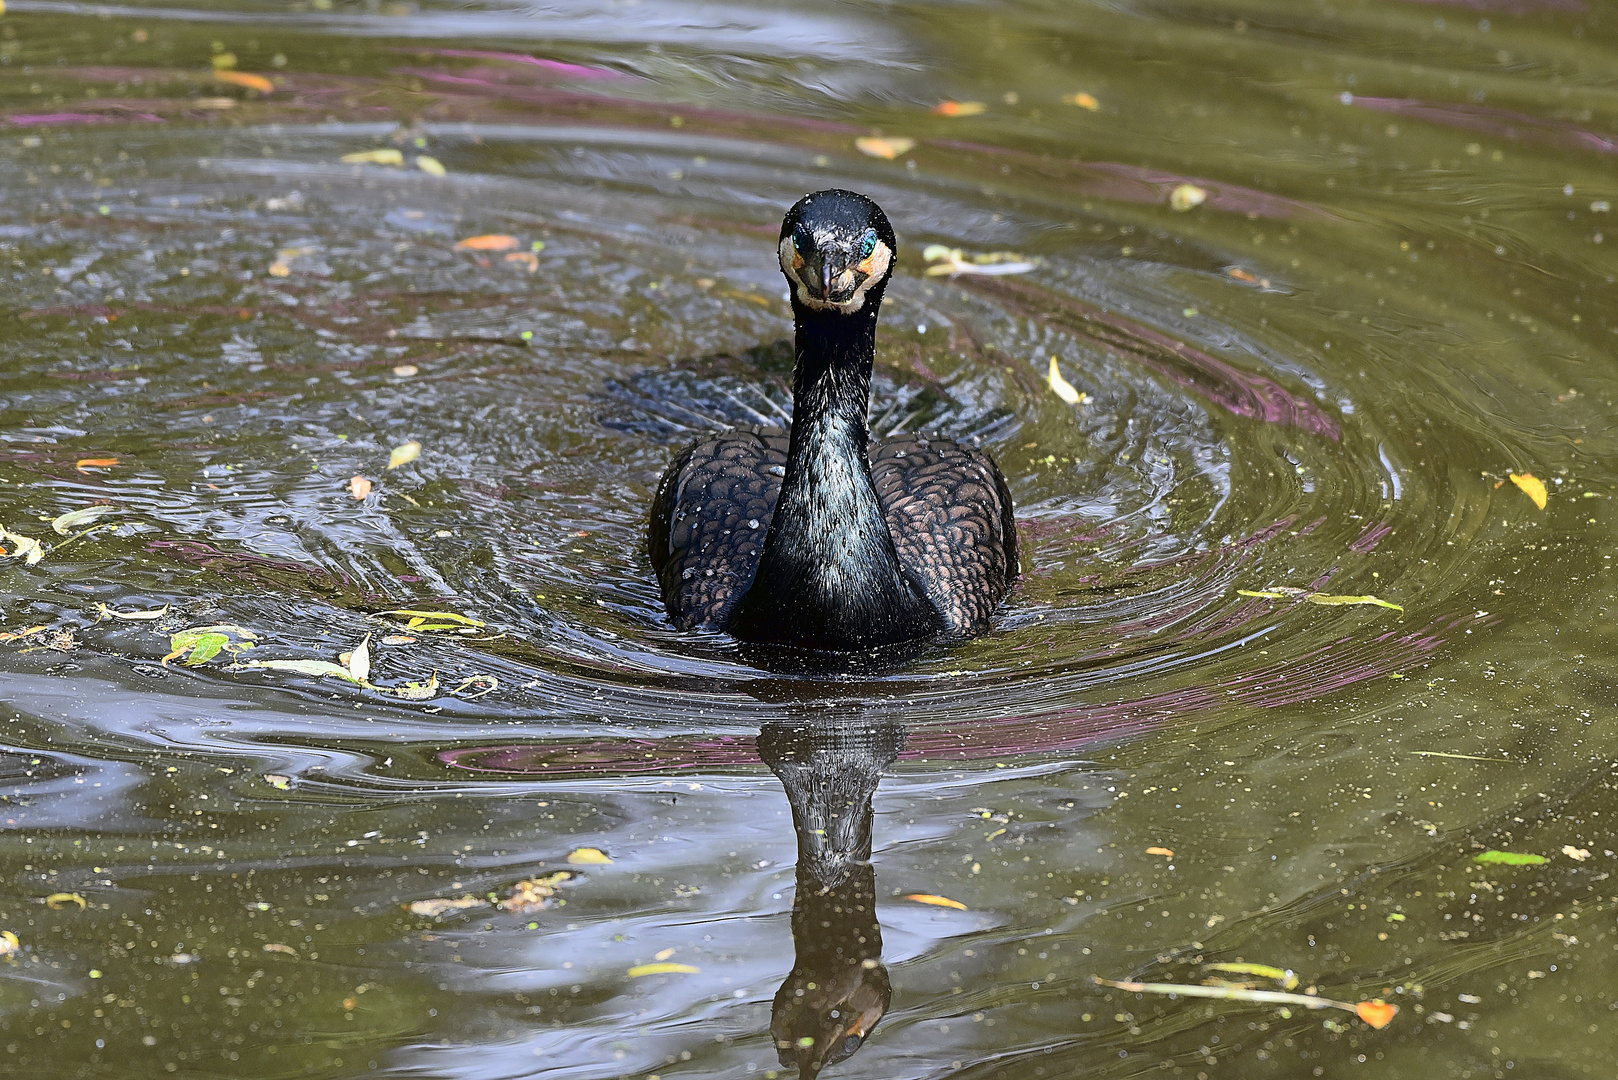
829	578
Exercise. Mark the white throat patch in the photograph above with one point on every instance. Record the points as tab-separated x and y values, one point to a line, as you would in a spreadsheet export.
878	264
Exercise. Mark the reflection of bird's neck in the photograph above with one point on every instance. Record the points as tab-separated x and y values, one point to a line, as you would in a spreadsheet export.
829	577
838	988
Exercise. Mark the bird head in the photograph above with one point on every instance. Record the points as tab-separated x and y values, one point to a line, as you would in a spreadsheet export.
836	248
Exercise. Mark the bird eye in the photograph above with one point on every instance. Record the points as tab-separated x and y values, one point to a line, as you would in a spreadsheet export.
802	241
868	246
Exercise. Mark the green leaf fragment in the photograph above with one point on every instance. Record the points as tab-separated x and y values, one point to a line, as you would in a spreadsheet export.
1509	858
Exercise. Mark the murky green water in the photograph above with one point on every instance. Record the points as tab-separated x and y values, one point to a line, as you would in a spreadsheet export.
1396	292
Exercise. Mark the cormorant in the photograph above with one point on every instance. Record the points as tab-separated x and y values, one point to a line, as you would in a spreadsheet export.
814	539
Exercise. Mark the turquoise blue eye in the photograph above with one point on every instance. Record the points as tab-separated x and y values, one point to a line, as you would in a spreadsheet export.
802	241
869	246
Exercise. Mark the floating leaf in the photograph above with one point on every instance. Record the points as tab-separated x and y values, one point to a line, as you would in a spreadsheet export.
1082	100
133	616
491	684
1167	853
1577	854
1508	858
20	634
359	661
386	156
886	149
418	691
404	455
23	547
525	258
441	906
419	618
536	893
1376	1013
954	261
430	165
71	520
359	487
316	668
936	901
241	78
86	464
1382	1012
278	781
404	371
9	945
1340	601
662	969
1531	486
203	643
958	108
1187	197
277	947
59	900
1264	971
588	856
487	242
1259	594
1064	389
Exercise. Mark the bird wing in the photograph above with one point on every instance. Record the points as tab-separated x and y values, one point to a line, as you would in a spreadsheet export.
951	518
709	520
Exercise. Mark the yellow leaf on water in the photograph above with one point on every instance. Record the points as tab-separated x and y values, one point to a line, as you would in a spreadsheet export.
1187	197
60	900
1167	853
278	781
662	969
1339	601
958	108
1064	389
404	455
23	547
936	901
241	78
588	856
1531	486
430	165
359	487
1264	971
886	149
86	464
9	945
418	616
664	954
277	947
487	242
1082	100
386	156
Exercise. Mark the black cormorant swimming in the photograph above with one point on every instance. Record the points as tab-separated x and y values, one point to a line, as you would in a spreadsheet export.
813	539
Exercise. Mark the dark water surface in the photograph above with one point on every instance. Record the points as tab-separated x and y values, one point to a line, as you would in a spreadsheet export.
1396	292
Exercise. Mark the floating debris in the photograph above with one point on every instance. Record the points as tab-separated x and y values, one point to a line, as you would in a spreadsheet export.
1286	592
1062	388
404	455
1187	197
86	464
640	970
385	156
1167	853
430	165
487	242
1508	858
359	487
25	548
959	108
588	856
72	520
886	149
954	261
535	894
443	906
60	900
105	612
1531	486
241	78
203	643
935	901
1082	100
1375	1013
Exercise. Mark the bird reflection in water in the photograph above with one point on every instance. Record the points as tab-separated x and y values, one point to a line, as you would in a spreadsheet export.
838	988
